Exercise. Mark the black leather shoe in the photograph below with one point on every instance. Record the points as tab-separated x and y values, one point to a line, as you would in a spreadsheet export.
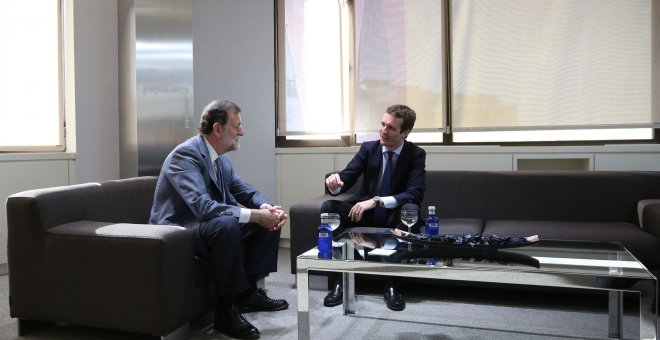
394	299
335	297
260	302
233	324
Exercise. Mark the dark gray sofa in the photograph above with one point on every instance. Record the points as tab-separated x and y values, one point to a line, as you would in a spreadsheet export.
84	255
565	205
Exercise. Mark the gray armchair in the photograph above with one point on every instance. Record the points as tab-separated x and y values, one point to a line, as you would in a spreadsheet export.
84	255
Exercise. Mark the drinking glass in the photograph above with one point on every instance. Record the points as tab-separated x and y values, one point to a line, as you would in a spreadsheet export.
333	221
409	218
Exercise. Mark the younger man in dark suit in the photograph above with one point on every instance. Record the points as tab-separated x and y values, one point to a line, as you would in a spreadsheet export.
393	171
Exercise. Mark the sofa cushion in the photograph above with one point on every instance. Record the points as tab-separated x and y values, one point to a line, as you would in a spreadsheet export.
126	230
461	226
644	246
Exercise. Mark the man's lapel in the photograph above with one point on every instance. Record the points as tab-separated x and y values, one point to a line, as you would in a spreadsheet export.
375	164
210	169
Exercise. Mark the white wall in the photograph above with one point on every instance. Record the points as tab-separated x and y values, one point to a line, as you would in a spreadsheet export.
96	91
233	51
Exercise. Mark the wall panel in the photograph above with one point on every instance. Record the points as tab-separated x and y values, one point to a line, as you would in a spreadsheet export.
628	162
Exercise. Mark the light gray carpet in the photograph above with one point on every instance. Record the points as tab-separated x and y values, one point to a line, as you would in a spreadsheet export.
432	312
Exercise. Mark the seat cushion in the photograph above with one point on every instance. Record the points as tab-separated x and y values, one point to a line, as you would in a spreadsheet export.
461	226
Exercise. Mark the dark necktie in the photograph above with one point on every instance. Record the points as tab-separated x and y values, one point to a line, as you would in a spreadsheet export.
218	166
386	181
381	213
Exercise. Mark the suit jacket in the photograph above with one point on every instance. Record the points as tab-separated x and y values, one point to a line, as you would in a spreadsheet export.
409	177
188	192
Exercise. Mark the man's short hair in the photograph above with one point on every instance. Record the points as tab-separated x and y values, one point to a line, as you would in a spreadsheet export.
216	112
402	111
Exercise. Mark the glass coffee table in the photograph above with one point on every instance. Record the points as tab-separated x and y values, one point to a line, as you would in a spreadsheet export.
547	263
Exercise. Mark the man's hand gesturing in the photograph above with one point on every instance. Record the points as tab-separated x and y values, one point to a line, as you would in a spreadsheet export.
333	182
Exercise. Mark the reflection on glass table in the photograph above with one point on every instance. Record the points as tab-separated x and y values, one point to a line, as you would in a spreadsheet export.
408	249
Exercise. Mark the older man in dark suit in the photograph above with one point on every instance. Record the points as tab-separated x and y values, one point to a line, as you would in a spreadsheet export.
393	171
198	189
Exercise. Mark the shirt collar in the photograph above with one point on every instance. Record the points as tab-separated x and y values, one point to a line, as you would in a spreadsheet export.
397	151
212	153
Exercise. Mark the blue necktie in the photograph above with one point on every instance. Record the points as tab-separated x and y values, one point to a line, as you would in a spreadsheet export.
381	213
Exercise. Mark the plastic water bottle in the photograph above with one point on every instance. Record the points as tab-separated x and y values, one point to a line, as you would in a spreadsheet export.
325	238
432	226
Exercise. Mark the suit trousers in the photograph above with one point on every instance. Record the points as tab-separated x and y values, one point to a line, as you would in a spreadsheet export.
236	252
393	220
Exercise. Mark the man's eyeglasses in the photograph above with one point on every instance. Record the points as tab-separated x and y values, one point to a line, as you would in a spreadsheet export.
237	127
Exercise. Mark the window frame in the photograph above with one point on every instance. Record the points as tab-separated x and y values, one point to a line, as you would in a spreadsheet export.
350	140
61	126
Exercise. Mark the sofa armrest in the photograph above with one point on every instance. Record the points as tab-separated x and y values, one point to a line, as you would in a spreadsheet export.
649	216
125	200
304	221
